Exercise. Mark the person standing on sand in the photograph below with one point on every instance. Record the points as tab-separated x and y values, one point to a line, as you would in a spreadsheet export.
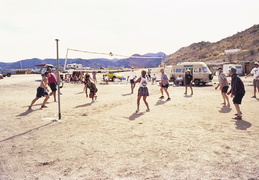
255	72
223	86
132	76
188	81
143	90
94	77
93	90
52	80
42	90
164	84
237	91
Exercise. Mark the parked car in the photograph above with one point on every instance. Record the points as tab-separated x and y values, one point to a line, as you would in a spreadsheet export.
7	73
113	75
200	71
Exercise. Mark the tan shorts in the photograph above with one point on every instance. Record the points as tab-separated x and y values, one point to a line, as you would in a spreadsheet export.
256	83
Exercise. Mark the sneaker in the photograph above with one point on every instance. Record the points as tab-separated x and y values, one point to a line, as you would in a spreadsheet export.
253	97
44	106
168	99
147	110
137	111
162	97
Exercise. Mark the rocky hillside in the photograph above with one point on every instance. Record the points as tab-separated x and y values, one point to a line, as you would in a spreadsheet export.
247	43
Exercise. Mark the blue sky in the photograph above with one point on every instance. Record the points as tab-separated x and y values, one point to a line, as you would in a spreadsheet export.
29	27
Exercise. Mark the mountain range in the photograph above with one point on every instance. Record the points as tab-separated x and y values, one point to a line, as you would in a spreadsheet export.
150	60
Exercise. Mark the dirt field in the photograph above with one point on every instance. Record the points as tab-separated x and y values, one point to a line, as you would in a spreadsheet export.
189	137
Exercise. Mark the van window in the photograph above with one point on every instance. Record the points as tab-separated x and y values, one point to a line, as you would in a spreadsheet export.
197	70
178	70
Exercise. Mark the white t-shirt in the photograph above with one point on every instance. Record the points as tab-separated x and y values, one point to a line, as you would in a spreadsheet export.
221	78
143	82
132	74
255	72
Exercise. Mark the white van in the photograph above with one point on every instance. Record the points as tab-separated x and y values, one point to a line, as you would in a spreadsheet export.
200	71
226	68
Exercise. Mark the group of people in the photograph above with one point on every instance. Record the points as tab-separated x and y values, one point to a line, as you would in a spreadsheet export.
237	90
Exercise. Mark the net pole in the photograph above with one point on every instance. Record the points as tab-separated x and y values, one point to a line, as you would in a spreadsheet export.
65	64
59	111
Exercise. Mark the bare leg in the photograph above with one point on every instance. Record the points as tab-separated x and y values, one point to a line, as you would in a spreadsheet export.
145	101
138	102
54	95
45	100
225	98
185	90
238	109
132	87
254	91
33	101
166	92
161	90
191	89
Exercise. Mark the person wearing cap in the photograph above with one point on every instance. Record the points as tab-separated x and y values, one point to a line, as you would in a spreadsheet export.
42	91
188	81
223	85
237	91
255	73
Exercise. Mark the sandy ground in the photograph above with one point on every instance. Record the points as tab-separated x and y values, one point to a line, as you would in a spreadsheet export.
189	137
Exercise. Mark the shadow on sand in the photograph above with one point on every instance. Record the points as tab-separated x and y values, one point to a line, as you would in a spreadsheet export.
84	105
134	116
26	132
225	109
128	94
160	102
25	113
242	125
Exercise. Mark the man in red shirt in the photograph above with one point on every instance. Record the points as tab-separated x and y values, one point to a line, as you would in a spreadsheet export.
52	83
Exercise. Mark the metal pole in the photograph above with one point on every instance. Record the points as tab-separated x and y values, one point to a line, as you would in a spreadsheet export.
59	111
65	64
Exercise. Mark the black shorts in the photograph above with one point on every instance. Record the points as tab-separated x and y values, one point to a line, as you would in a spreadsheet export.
188	83
131	81
41	92
238	98
224	89
53	86
165	86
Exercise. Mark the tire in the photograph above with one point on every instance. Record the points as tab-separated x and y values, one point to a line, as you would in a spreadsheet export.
210	76
196	82
113	78
8	75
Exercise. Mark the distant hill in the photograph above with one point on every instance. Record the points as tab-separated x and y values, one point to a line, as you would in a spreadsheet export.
93	63
246	41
